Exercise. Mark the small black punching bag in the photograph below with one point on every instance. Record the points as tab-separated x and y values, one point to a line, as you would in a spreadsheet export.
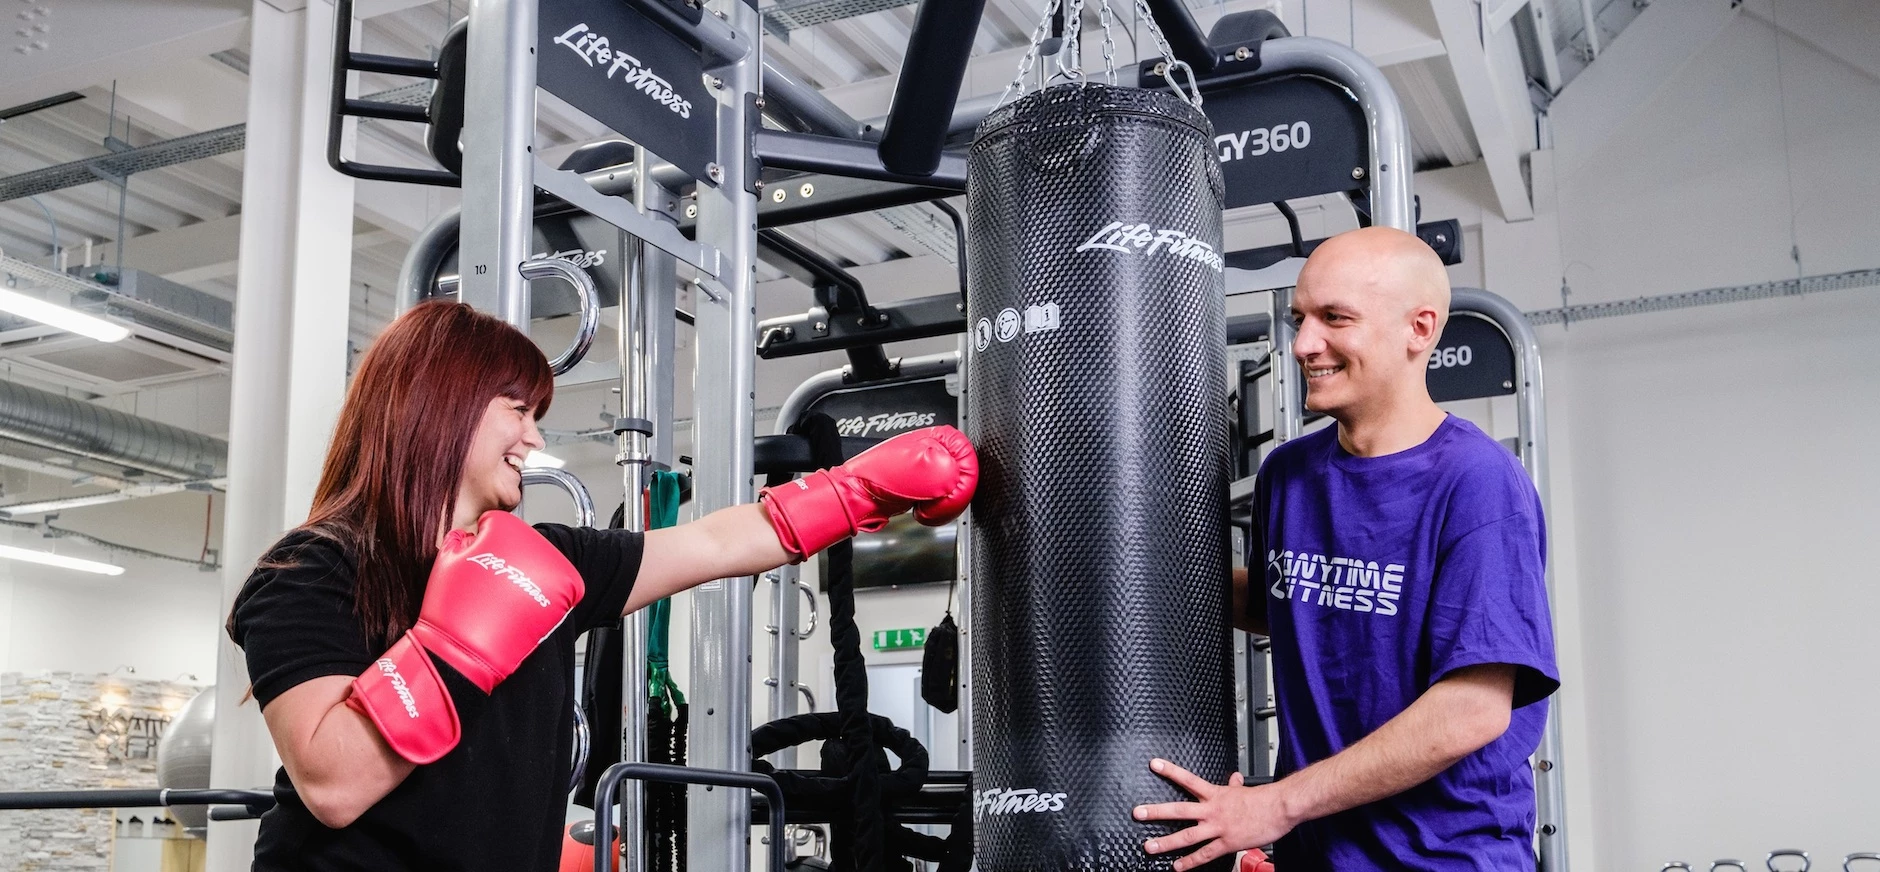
1096	388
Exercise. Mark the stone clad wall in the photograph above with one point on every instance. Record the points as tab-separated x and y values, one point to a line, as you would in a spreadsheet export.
64	731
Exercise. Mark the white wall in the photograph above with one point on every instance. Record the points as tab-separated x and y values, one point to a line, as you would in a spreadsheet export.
160	618
1713	482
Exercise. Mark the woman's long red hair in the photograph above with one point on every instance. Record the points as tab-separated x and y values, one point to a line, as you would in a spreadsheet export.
391	474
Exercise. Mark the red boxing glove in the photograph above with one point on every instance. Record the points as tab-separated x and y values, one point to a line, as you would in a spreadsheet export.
932	471
493	596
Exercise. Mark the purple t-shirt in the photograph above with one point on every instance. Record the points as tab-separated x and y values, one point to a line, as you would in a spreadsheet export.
1383	575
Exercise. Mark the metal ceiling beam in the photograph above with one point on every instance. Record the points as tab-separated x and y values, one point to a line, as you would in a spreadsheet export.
1479	80
124	163
52	143
1590	22
1544	45
1497	13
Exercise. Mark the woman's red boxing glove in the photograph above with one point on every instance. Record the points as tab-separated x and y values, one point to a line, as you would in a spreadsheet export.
932	471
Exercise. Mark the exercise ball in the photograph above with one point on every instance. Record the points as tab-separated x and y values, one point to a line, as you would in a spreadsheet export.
183	755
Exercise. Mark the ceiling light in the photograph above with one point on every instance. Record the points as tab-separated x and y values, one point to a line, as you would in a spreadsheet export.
48	558
542	459
16	303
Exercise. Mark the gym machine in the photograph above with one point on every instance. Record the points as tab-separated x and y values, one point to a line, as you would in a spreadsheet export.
698	88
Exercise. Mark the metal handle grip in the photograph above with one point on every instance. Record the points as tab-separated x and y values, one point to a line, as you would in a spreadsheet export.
809	592
1847	865
607	792
1675	864
809	698
581	743
1720	864
1787	852
561	478
590	302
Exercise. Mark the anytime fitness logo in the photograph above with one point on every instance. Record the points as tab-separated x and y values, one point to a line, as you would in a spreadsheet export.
1345	583
893	422
1146	240
399	687
516	577
596	51
1016	801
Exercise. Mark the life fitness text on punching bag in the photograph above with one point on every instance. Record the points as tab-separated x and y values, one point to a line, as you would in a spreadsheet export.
1096	394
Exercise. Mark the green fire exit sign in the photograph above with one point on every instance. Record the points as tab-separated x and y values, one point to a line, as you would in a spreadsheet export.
898	640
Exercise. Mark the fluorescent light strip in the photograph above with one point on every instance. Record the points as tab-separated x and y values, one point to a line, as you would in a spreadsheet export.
47	558
16	303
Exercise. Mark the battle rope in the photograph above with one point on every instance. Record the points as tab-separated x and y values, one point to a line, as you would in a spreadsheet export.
854	780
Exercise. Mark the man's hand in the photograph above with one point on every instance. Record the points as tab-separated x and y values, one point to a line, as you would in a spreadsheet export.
1228	818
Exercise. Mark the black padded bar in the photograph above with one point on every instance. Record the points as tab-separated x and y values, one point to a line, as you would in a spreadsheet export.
1184	35
387	111
1443	237
131	798
391	66
711	37
919	318
941	43
789	454
1254	327
837	196
807	152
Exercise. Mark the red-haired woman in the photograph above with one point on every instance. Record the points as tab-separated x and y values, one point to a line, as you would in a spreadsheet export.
412	643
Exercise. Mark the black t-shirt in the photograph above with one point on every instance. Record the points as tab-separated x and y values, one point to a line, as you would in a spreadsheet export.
495	802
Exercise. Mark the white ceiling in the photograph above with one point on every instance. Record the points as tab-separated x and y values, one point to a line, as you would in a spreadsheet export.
153	70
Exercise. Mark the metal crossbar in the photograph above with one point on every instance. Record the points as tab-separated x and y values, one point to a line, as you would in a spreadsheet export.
1866	278
787	16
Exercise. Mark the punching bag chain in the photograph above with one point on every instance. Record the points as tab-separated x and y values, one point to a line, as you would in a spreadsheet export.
1017	87
1070	52
1193	94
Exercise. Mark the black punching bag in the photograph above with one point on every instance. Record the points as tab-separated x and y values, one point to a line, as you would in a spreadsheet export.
1096	386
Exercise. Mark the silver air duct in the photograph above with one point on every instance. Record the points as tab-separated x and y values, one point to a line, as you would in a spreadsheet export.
81	429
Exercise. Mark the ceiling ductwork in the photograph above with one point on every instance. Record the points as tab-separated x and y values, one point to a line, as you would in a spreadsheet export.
111	442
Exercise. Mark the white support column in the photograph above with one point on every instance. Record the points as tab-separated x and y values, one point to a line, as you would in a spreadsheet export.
289	370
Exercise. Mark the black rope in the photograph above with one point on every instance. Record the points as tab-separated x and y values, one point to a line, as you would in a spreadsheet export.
855	782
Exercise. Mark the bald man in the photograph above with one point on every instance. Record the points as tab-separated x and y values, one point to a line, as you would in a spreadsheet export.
1403	590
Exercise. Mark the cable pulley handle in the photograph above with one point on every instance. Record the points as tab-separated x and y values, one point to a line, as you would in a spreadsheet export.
590	306
582	741
1770	861
814	610
566	481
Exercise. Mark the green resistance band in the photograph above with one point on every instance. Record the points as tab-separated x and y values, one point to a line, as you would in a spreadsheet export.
663	505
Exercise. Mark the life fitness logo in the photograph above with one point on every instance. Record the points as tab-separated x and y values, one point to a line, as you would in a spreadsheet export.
596	51
1149	241
1001	801
891	422
390	670
515	576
